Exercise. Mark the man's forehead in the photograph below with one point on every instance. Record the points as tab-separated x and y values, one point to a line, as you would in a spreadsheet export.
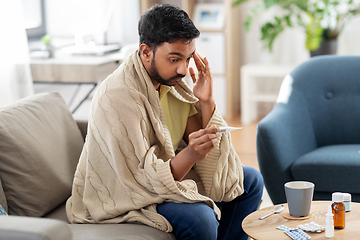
180	48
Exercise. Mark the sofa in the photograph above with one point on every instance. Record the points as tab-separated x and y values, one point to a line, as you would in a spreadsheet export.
40	144
313	131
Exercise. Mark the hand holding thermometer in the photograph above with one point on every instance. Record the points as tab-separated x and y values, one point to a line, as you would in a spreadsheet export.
228	129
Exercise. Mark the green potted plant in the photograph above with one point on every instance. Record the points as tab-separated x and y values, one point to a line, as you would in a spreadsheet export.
46	40
322	20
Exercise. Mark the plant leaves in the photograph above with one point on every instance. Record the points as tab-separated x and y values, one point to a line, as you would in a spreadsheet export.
314	34
238	2
305	13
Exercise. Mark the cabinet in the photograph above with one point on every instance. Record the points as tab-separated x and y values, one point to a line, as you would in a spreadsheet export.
224	58
250	95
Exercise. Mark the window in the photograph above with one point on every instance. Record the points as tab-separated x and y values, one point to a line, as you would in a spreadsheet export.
34	17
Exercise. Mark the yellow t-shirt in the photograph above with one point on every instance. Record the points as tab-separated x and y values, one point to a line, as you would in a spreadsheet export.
176	114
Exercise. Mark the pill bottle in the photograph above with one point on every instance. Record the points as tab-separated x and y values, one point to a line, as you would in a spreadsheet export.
347	202
338	209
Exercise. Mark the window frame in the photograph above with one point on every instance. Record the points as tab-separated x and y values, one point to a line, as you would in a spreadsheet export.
38	32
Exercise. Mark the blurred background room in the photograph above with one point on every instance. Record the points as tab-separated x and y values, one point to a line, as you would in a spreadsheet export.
70	46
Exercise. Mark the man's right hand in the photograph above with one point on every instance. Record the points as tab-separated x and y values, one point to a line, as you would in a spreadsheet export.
201	142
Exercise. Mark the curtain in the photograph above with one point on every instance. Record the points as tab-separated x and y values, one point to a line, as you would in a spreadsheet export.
15	74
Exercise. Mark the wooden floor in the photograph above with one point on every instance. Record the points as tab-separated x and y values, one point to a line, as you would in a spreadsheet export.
244	142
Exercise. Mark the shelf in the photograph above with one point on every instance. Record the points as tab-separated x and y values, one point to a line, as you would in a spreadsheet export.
250	73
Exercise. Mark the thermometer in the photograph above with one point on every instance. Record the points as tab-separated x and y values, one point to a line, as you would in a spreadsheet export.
228	129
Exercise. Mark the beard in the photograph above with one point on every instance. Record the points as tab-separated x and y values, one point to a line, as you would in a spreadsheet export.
154	74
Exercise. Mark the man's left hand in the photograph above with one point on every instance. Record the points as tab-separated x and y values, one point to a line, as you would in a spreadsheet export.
203	88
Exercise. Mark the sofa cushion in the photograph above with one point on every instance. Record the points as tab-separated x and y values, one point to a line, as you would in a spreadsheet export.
122	231
331	168
16	228
58	213
40	145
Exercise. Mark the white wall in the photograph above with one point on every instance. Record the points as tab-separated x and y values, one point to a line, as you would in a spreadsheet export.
349	40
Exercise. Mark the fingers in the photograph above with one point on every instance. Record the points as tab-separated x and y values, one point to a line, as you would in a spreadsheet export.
201	63
205	137
192	74
207	68
201	142
212	130
202	146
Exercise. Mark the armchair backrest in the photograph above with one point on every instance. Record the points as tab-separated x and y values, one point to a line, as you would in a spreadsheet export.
329	87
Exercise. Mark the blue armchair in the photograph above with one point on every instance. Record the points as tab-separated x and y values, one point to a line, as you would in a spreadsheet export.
313	131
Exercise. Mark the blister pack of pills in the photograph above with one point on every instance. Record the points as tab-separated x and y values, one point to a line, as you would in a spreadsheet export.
297	234
294	233
285	228
311	227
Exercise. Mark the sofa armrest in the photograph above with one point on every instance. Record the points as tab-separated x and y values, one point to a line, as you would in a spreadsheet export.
82	124
283	136
30	228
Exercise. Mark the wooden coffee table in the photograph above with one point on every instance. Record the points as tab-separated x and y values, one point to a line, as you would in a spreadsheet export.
266	229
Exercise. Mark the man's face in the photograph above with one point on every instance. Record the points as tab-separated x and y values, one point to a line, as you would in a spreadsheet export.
170	61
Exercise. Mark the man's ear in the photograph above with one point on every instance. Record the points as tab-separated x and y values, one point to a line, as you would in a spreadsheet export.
146	52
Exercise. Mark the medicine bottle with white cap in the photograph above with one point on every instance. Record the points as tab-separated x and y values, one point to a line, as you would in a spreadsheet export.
338	209
347	202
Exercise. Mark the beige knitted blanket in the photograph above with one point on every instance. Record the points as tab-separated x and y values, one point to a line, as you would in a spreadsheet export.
124	171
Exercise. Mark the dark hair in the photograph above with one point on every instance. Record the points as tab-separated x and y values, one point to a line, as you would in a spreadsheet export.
165	23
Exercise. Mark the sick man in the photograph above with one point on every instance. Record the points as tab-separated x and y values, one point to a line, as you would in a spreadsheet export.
153	153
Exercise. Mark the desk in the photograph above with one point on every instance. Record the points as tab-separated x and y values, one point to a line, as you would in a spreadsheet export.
65	68
266	229
249	95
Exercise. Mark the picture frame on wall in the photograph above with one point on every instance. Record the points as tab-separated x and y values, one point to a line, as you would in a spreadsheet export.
209	16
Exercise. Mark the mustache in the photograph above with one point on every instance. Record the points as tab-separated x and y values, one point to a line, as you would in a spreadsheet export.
177	76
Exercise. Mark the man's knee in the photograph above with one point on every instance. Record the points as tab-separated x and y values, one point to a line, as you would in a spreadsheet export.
190	220
204	224
253	178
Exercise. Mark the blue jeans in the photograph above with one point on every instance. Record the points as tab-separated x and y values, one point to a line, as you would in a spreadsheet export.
198	220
